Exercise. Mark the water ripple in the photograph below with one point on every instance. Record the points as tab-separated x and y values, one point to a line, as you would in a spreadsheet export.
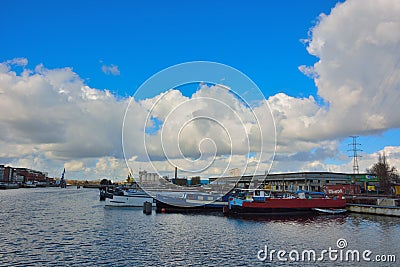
54	227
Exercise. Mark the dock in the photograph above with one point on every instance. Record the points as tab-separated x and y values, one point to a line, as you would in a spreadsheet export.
374	209
374	205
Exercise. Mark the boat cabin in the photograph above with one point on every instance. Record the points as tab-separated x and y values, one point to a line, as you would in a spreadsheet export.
251	194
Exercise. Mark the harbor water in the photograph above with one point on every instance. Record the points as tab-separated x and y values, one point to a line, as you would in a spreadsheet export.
71	227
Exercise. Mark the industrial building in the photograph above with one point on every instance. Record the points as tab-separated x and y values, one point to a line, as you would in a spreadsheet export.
311	181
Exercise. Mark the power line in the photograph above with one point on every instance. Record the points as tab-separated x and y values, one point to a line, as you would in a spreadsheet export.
355	150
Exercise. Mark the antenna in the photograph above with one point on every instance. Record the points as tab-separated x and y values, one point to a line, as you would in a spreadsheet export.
354	149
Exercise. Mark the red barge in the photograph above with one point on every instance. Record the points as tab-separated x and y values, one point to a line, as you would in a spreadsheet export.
261	202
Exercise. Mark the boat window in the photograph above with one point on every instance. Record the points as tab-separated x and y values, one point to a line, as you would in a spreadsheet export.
241	195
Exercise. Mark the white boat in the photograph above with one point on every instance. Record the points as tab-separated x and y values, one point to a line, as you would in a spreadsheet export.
330	211
8	185
29	184
128	198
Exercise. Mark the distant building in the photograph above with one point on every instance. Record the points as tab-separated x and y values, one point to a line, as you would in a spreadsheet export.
5	174
311	181
289	182
148	178
21	175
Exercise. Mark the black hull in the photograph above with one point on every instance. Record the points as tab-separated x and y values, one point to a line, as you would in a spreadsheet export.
162	207
104	195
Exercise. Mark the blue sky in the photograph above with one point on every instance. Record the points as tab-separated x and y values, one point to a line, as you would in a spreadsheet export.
118	45
261	38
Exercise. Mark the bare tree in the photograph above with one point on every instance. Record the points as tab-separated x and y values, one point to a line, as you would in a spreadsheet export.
386	173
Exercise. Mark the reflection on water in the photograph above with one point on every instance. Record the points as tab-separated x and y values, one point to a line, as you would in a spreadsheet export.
300	219
52	226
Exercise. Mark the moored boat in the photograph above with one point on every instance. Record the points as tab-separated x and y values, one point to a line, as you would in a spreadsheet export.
128	198
190	202
330	211
260	202
28	184
42	184
9	186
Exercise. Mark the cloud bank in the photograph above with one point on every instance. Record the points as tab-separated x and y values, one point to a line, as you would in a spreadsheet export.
357	75
358	69
51	114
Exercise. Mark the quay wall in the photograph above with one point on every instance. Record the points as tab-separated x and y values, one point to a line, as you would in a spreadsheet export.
374	209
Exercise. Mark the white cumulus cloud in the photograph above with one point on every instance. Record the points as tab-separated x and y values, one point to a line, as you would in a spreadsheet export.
54	112
358	71
358	79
